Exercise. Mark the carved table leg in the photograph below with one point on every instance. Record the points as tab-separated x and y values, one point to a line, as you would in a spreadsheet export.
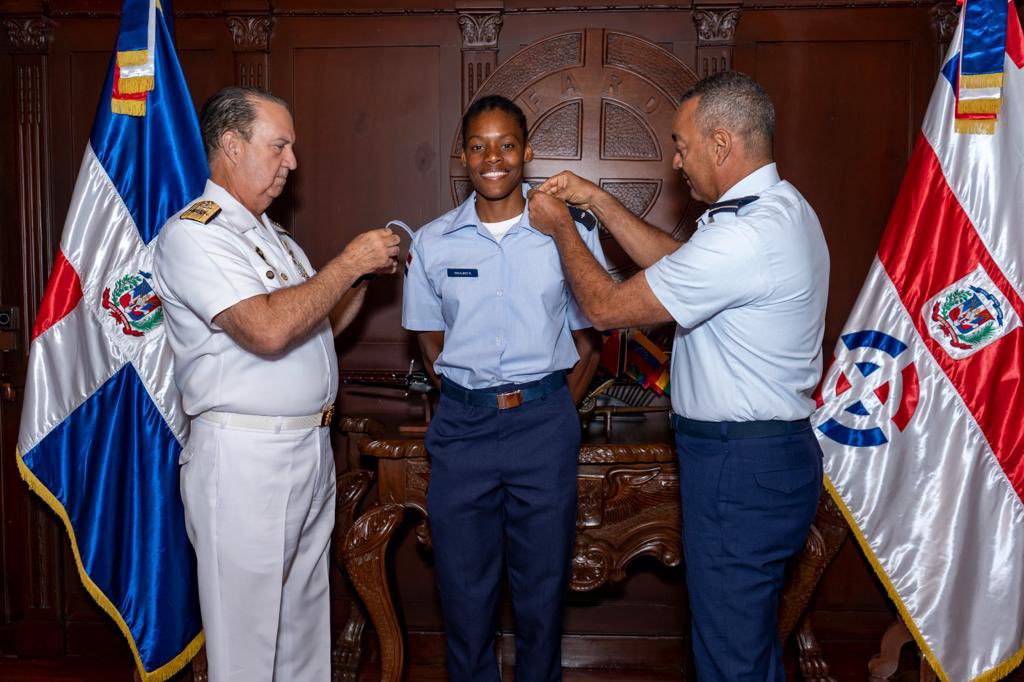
347	650
364	553
812	664
886	662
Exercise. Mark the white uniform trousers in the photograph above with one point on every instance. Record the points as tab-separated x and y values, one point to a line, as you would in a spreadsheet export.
259	510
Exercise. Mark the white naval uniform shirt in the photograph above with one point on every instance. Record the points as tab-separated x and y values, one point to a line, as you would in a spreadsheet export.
199	271
748	292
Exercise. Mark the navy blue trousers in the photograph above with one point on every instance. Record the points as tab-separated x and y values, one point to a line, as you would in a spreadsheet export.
503	483
747	506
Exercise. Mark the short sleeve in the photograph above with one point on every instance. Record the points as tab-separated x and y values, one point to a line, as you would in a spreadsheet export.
592	238
421	305
203	268
719	268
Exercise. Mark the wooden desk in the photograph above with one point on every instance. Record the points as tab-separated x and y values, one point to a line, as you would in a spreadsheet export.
628	507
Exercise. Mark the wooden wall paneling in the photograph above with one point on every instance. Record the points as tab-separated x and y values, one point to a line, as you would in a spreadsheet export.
369	102
33	536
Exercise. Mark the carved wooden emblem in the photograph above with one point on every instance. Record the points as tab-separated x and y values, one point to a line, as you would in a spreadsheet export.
600	103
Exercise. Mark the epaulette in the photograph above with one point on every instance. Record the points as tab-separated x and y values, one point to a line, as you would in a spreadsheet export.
202	211
584	218
731	205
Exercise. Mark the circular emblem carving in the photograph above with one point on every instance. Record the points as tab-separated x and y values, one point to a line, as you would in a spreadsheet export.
600	103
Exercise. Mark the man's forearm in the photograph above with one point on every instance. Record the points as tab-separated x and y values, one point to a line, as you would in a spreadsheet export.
591	284
268	325
643	243
347	308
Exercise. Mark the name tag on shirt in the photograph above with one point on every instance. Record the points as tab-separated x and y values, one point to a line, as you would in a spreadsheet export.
463	272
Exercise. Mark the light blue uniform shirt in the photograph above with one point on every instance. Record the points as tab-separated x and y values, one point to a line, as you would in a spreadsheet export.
505	307
748	292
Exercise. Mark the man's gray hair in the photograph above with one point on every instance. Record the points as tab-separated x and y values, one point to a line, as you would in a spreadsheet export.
735	101
231	108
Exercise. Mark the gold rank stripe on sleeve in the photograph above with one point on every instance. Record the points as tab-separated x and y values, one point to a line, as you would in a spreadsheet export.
201	211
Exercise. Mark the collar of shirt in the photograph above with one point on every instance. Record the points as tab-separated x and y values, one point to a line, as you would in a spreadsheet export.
237	218
466	216
763	178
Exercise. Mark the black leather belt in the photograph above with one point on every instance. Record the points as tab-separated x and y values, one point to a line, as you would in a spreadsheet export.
504	397
732	430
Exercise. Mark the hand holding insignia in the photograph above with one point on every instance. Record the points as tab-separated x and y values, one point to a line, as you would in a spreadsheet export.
571	188
547	214
374	251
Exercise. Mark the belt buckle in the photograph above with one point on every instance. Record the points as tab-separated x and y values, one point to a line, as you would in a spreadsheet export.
509	400
327	416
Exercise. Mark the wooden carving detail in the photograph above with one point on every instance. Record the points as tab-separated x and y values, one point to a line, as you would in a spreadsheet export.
395	449
716	33
636	195
557	135
28	34
812	664
367	425
944	17
627	454
250	34
716	25
347	649
541	58
657	66
364	553
626	136
480	30
623	513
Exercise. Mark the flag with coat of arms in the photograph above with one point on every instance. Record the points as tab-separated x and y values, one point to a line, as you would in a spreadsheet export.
102	424
920	411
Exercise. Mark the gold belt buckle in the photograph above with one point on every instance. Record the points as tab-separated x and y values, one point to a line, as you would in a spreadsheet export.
510	400
327	416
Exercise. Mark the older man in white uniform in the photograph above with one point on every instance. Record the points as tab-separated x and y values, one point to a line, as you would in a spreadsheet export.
748	295
252	325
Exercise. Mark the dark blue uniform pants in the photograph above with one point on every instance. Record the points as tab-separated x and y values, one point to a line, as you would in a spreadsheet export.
503	483
747	506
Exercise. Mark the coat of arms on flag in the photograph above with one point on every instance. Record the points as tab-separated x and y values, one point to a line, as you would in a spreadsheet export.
102	425
969	314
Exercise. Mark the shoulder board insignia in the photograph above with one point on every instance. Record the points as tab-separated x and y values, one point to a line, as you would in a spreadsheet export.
201	211
280	228
584	218
731	205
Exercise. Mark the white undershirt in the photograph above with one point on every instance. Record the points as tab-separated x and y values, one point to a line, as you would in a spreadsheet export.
498	230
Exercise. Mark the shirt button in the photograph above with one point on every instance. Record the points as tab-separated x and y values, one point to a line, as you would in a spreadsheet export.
270	274
497	340
284	277
499	292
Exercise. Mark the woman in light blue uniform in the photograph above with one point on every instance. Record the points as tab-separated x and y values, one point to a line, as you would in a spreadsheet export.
501	330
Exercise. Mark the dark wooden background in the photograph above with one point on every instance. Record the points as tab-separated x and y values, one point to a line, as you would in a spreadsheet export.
377	93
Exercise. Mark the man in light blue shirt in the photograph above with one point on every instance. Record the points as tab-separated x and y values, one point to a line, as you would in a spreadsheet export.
499	325
748	294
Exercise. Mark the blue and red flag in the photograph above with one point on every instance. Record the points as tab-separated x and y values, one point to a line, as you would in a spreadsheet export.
920	413
102	425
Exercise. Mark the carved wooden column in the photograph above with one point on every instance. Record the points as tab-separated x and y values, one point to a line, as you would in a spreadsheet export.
251	36
32	530
716	36
480	24
944	19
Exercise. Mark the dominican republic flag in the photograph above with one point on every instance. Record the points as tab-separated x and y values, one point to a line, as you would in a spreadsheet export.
102	424
921	414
